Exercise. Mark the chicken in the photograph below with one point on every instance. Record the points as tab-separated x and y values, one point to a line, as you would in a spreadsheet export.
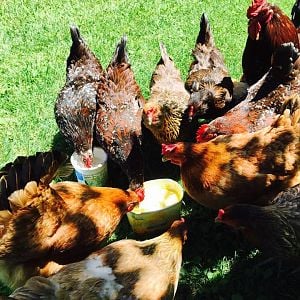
208	80
164	112
126	269
75	107
61	222
274	229
265	100
268	28
246	167
119	116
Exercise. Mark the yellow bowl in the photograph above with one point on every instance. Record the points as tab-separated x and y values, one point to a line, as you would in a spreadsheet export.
161	206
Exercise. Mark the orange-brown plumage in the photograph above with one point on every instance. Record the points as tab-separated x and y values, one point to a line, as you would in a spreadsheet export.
125	269
246	167
61	222
268	28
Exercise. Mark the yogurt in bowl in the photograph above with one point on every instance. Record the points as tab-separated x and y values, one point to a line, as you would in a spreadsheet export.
160	207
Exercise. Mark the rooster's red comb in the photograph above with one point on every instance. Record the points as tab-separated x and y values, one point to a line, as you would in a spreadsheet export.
167	148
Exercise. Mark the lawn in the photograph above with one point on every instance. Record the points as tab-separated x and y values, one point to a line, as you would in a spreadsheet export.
34	45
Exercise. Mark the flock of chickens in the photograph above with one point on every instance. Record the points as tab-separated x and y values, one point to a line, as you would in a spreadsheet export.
243	160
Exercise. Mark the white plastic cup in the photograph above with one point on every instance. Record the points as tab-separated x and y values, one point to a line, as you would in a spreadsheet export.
97	174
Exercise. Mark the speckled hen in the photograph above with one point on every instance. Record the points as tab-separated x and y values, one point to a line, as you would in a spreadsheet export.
119	116
75	108
126	269
208	80
266	99
164	112
52	223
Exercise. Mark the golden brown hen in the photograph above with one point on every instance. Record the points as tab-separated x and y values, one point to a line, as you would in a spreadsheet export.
164	111
246	167
274	229
61	222
208	80
75	107
126	269
265	100
268	28
119	116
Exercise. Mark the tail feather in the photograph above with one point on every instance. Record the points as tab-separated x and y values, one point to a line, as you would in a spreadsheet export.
296	14
78	48
75	35
205	35
41	168
164	54
36	287
20	198
288	119
120	55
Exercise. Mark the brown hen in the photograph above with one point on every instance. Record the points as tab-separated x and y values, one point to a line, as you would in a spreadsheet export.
119	116
164	111
268	28
75	107
274	229
208	80
265	100
61	222
246	167
126	269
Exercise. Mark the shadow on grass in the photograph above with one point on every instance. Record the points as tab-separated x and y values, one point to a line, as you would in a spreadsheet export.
219	264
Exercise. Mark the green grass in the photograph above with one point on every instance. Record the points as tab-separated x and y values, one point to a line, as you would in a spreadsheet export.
34	45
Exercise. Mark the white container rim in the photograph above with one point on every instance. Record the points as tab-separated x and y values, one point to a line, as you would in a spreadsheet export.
98	152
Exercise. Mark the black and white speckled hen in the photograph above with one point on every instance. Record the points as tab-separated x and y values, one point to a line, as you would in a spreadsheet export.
126	269
119	116
274	229
75	108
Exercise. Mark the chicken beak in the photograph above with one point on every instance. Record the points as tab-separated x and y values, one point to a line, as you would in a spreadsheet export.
164	159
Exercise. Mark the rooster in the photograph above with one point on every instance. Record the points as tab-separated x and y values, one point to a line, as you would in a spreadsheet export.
119	116
247	167
208	80
126	269
266	99
75	108
268	28
164	112
49	222
274	229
